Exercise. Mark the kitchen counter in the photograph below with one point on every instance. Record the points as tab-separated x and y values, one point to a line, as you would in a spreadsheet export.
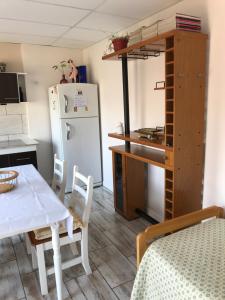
17	145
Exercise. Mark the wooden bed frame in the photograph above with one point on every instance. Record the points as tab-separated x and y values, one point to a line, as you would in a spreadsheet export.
145	238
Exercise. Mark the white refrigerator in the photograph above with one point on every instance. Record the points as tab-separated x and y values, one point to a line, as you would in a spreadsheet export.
74	116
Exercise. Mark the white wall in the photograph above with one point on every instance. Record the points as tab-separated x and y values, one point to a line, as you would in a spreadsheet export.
146	107
37	62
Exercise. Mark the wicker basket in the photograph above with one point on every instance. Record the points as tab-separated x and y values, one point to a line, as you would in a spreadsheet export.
8	180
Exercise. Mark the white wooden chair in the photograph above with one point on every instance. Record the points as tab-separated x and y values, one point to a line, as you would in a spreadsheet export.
58	185
59	177
80	207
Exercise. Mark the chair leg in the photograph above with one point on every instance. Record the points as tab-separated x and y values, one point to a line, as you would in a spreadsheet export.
42	269
34	257
28	244
84	250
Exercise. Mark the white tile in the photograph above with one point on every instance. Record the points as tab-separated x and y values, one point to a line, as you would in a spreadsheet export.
25	124
31	28
105	22
4	138
26	39
2	110
139	9
16	108
40	12
86	4
11	124
86	34
70	43
16	136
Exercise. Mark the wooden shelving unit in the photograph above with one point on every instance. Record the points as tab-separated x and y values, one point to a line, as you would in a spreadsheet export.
134	138
181	152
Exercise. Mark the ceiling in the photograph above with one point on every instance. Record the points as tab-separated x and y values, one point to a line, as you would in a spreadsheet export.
71	23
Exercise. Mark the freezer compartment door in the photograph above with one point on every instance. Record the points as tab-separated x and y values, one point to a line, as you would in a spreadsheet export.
77	100
81	147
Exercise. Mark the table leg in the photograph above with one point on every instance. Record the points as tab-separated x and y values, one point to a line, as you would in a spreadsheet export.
57	259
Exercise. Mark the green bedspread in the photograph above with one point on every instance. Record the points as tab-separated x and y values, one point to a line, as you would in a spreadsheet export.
189	264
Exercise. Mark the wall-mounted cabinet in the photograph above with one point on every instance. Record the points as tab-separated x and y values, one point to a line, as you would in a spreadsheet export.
12	88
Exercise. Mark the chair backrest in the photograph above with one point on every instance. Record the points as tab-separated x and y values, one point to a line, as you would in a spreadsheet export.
59	177
83	194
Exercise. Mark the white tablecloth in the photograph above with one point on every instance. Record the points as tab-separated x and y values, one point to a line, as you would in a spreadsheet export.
31	205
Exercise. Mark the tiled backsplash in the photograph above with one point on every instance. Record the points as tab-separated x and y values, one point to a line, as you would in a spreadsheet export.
13	120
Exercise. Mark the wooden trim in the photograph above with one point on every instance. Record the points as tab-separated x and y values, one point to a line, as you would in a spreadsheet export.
144	238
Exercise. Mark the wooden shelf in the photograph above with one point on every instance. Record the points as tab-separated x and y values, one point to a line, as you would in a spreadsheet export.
134	138
141	153
157	43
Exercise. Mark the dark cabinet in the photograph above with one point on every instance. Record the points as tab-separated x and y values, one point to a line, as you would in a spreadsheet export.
18	159
12	88
4	161
129	184
9	91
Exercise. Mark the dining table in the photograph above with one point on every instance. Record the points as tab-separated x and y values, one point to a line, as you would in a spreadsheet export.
31	205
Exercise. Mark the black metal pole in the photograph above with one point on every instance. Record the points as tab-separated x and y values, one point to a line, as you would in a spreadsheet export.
126	98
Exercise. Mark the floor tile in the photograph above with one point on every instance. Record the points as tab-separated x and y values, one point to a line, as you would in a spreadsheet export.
74	290
23	260
96	238
31	286
10	283
123	291
123	238
95	287
6	250
114	267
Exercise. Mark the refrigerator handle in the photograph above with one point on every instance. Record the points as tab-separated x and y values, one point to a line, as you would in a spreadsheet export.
68	131
66	103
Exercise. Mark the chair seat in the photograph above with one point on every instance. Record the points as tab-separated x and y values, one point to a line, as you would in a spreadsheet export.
41	235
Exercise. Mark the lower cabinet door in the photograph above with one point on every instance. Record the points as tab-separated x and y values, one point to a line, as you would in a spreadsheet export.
23	158
4	161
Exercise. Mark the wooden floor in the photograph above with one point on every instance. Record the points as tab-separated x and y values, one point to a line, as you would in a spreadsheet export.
111	252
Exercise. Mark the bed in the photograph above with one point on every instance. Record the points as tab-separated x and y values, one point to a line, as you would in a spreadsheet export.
186	262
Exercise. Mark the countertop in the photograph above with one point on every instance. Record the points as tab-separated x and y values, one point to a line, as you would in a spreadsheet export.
19	144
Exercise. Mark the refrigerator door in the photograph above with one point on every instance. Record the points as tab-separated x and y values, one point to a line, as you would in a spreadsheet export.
77	100
81	147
